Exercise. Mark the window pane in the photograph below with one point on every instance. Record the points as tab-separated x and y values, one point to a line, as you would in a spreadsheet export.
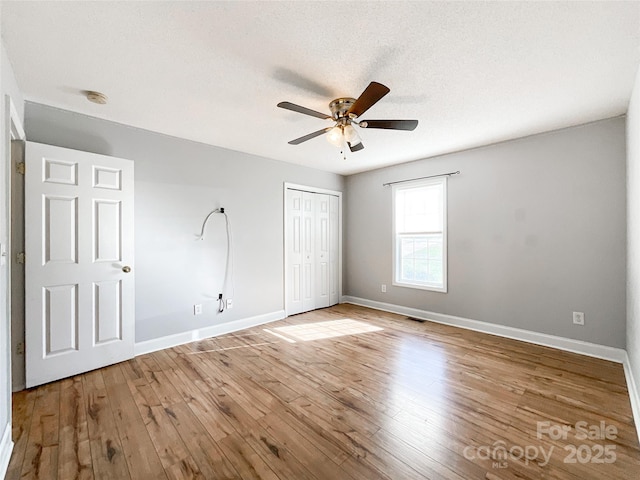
421	273
406	249
435	247
420	246
419	209
433	209
435	272
407	273
400	208
421	258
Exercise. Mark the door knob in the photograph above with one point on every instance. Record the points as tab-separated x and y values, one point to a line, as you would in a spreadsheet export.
126	269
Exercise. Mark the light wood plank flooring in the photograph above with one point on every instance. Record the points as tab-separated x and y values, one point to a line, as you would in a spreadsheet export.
390	398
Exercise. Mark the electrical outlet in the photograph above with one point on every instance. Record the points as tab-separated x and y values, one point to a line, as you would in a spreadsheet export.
197	309
20	348
578	318
383	288
229	303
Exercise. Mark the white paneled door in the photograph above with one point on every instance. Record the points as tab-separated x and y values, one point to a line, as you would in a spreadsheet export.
311	250
293	254
322	253
79	279
308	258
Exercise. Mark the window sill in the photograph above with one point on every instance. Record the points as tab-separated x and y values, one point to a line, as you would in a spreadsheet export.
431	288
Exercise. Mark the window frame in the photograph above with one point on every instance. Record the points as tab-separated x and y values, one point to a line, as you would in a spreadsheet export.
396	253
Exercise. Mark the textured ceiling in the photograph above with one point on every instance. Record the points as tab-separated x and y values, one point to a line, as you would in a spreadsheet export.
472	73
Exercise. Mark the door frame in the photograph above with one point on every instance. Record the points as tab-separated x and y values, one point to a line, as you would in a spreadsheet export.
310	189
16	216
13	130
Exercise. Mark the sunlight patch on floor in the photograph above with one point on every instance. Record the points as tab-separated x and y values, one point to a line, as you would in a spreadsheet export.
329	329
279	336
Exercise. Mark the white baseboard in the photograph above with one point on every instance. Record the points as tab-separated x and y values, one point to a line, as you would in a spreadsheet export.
617	355
169	341
634	393
6	447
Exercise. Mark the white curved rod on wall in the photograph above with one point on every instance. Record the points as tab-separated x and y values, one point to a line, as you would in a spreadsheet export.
204	224
228	270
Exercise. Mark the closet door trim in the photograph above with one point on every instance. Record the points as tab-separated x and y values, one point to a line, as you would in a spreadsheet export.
310	189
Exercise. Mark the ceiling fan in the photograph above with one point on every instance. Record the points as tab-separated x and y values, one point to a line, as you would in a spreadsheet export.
345	112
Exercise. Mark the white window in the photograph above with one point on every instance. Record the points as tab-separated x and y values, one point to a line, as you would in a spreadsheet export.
420	234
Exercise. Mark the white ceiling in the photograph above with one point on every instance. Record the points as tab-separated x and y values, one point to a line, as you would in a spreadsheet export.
472	73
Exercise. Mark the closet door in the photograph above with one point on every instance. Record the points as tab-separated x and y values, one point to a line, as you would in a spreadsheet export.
322	251
308	254
293	242
312	257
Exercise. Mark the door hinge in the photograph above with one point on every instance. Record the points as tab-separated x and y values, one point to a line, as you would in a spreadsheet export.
20	258
21	168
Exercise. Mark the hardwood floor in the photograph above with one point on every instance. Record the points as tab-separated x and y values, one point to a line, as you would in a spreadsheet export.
404	400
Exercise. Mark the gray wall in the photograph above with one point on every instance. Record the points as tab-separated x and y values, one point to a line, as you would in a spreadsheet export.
633	232
177	183
536	231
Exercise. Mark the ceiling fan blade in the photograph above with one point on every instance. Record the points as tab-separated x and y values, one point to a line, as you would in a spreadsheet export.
374	92
390	124
307	111
298	141
355	148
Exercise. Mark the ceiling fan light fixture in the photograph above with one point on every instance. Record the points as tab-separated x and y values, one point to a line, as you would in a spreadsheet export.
336	136
351	136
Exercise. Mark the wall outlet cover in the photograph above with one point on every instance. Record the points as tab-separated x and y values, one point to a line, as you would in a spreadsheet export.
197	309
578	318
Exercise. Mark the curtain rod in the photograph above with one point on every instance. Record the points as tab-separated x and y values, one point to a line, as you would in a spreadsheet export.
422	178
